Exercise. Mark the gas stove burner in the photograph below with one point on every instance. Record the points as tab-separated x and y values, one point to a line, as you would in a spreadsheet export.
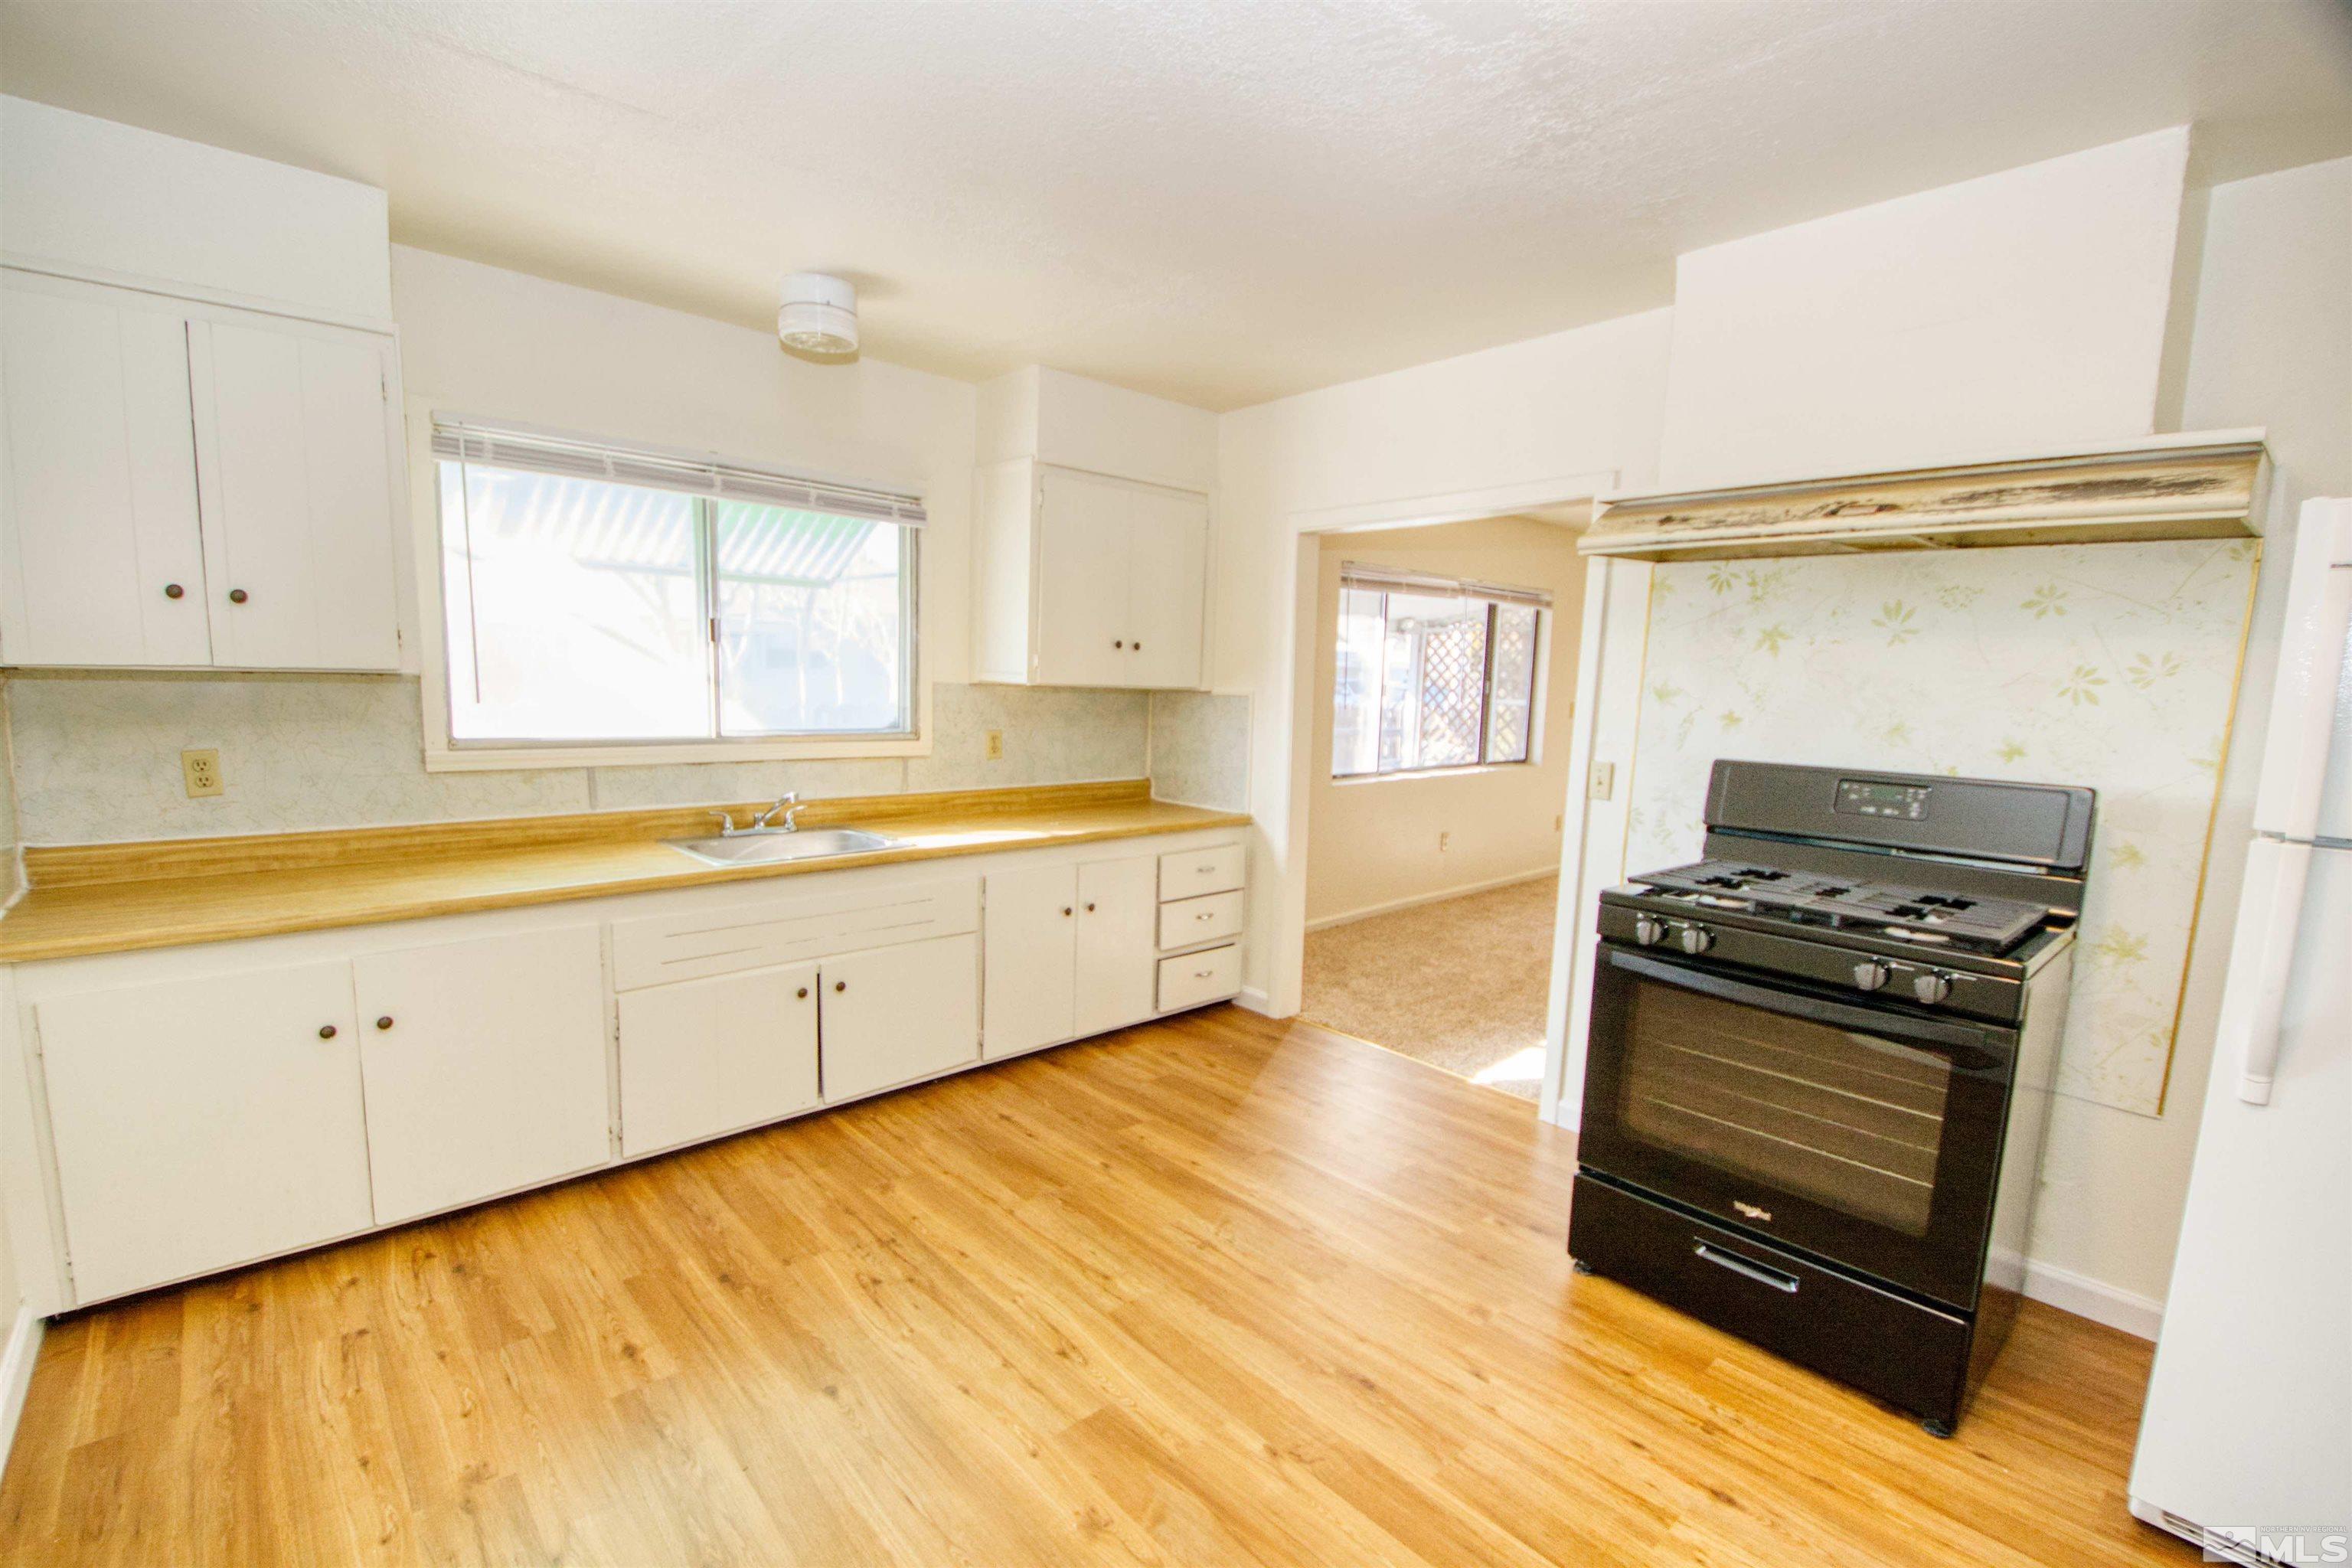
1900	910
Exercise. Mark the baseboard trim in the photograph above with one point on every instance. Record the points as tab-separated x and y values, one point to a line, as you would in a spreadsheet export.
17	1372
1417	899
2084	1297
1254	999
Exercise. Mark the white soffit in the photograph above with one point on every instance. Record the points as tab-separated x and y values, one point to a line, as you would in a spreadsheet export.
1215	201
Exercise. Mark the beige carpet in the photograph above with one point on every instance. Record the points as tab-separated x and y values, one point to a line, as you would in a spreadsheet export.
1461	984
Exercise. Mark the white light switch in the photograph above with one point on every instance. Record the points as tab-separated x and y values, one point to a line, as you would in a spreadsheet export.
1604	780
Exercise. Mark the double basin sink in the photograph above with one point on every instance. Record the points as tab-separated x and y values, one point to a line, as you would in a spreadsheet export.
768	846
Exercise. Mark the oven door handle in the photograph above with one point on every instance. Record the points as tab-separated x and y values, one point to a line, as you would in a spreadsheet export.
1929	1034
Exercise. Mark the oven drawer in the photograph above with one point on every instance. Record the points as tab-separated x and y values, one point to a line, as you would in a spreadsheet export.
1198	977
1910	1355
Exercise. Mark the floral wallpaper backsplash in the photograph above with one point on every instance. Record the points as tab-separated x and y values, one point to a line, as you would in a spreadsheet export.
2112	666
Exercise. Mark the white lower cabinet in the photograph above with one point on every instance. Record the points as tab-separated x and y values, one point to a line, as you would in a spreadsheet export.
704	1057
1030	929
1069	951
892	1014
201	1120
200	1123
1117	910
484	1063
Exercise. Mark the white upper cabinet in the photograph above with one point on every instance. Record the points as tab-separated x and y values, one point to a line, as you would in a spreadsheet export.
187	485
103	562
297	498
1087	580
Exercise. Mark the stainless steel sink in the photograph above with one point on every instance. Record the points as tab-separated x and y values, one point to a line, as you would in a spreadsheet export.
766	846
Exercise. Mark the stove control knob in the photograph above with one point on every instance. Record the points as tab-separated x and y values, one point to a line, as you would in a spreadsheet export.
1648	931
1870	975
1695	939
1931	988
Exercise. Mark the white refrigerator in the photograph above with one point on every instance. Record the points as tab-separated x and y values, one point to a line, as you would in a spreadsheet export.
2245	1445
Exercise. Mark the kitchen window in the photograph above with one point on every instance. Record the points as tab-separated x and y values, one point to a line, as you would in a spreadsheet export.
604	599
1434	673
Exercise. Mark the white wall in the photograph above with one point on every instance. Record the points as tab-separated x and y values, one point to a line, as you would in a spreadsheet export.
1073	423
1378	837
1500	430
93	193
2022	310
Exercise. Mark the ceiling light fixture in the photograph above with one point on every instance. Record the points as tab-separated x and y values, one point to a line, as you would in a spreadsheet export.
818	315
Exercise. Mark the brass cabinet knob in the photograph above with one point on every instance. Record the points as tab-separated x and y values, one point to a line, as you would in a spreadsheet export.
384	1022
1090	909
1137	648
237	595
801	993
326	1031
1119	642
841	986
174	591
1066	908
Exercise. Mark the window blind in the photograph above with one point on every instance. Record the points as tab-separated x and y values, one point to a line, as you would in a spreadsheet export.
533	452
1392	580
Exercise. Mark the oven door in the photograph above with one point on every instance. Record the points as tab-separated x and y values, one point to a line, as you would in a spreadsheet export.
1867	1134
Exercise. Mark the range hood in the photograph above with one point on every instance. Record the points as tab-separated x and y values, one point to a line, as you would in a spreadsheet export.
2206	485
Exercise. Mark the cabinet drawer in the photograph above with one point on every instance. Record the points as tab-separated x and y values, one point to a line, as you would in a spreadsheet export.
1189	921
1192	978
1188	873
760	936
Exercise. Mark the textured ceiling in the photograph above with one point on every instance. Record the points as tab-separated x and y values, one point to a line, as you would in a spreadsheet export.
1220	202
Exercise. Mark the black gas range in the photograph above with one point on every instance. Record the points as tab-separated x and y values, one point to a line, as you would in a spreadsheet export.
1818	1064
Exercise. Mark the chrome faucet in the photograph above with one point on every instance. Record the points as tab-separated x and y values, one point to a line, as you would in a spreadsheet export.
789	804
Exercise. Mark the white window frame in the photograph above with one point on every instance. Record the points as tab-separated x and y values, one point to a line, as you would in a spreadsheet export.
1388	580
443	753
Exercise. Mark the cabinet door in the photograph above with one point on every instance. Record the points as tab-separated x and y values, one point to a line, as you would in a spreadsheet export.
1030	945
484	1063
896	1014
1119	909
204	1123
1167	556
100	477
1080	607
295	479
706	1057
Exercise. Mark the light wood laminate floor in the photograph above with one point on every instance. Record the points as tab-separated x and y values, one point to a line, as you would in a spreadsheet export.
1215	1292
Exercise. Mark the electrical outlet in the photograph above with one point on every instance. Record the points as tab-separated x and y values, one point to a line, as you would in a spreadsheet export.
996	745
202	771
1445	842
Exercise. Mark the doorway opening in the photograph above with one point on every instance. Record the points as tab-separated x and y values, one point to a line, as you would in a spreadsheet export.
1442	688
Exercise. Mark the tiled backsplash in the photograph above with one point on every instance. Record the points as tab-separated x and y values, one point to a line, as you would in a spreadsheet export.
97	756
1199	749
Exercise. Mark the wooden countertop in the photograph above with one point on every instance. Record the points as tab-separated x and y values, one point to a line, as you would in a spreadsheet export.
120	897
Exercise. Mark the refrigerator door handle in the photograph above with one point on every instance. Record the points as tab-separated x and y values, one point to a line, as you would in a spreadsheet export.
2269	917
